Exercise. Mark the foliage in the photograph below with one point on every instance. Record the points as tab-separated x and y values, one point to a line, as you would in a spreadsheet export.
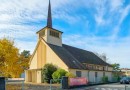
116	66
10	62
70	75
24	59
116	78
58	74
47	72
105	79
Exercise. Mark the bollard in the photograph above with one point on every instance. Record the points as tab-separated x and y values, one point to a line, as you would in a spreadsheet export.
126	87
51	84
2	83
22	85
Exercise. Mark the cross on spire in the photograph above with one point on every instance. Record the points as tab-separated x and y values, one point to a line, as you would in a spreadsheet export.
49	18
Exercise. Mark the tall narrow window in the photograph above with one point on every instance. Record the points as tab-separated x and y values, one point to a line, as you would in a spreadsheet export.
96	74
78	73
103	73
103	68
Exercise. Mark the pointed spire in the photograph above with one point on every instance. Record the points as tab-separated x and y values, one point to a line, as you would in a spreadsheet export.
49	19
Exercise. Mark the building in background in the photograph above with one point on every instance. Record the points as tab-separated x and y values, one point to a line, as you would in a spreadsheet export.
50	49
125	72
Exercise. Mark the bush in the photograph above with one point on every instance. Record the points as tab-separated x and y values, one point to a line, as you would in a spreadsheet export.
58	74
116	78
105	79
47	72
70	75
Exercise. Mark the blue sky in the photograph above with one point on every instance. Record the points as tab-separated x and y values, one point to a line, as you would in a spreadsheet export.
101	26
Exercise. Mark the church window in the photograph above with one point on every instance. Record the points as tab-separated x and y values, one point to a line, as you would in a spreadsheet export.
55	34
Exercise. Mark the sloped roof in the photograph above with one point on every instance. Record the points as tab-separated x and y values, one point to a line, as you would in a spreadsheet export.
74	57
85	56
67	58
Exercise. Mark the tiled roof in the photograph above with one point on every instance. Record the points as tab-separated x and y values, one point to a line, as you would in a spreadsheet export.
75	57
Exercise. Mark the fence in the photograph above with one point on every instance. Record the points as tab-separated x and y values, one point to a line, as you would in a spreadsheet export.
15	84
52	81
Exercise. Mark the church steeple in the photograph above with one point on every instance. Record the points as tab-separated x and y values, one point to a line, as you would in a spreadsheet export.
49	18
48	33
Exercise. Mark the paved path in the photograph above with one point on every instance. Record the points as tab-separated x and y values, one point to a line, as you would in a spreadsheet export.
31	86
115	86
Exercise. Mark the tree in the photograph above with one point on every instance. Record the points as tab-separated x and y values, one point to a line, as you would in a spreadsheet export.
70	75
116	66
47	72
12	64
102	56
117	71
9	59
24	59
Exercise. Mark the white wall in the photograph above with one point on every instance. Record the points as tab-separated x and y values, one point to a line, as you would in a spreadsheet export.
54	40
39	77
109	74
92	77
100	75
33	64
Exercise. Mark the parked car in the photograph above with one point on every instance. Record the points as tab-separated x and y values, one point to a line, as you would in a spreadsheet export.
125	80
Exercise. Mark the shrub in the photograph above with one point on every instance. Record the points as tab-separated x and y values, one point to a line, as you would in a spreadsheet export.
116	78
47	72
70	75
58	74
105	79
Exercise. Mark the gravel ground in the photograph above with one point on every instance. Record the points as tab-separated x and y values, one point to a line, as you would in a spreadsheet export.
31	87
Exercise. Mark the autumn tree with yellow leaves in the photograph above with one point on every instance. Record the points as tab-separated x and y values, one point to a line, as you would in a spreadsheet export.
12	63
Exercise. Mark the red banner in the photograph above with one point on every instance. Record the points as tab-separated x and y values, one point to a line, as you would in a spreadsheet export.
78	81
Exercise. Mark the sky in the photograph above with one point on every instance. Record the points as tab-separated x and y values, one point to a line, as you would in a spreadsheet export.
100	26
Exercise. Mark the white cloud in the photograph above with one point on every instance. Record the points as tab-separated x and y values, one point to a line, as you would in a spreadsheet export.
17	31
26	45
116	4
123	14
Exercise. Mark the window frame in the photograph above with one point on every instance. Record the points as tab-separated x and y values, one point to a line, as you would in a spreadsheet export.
78	73
54	34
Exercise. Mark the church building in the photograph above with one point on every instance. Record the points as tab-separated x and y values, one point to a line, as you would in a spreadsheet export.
50	49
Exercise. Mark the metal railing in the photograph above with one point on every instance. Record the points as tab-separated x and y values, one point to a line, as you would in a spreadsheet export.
54	81
16	84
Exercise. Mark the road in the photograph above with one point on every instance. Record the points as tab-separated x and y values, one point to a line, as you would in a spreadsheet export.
115	86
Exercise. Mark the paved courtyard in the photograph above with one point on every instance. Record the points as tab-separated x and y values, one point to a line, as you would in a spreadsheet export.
115	86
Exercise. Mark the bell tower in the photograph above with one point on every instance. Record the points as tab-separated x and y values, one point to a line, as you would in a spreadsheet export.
48	33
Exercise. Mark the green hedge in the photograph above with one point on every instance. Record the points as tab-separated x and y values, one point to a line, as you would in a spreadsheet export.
105	79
